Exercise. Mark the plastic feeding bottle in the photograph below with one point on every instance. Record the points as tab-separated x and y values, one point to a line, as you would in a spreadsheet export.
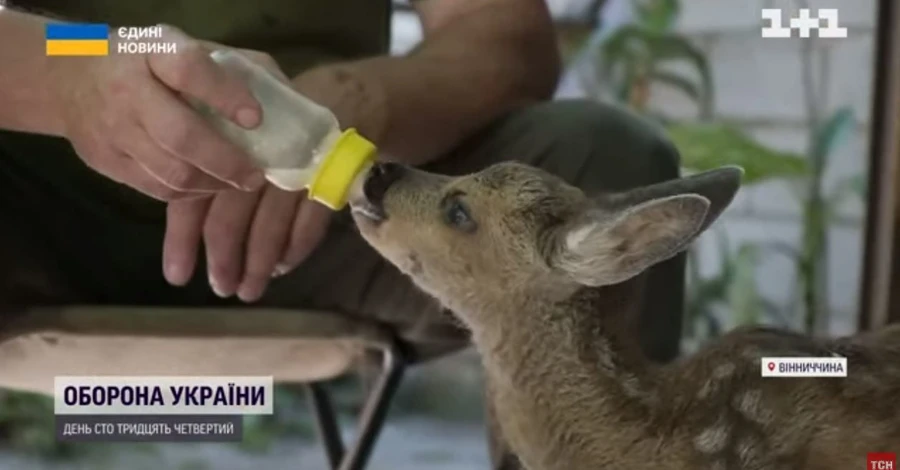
299	143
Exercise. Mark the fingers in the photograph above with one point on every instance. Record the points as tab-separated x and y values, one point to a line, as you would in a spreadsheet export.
180	131
225	232
171	172
191	71
181	245
249	237
174	149
310	227
124	170
267	241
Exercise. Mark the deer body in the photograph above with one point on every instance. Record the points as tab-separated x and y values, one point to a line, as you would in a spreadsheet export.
590	400
547	281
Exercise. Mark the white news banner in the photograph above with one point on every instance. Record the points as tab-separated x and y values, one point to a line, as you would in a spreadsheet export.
164	395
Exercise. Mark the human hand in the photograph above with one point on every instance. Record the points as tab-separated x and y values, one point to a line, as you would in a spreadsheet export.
125	117
249	237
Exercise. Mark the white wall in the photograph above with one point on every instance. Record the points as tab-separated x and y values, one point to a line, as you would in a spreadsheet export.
760	88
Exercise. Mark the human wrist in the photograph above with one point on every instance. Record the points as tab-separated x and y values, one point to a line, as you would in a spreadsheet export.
60	90
356	102
27	102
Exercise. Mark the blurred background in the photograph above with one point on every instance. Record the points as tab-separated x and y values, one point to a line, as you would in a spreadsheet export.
793	112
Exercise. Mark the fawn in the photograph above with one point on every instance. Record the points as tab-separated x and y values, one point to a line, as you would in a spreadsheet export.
546	279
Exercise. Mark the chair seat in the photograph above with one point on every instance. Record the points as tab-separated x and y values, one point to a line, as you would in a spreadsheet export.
291	346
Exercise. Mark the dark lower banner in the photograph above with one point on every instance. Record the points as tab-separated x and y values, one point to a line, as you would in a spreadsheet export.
149	428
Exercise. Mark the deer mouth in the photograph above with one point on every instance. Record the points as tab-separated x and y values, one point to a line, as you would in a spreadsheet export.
363	209
367	202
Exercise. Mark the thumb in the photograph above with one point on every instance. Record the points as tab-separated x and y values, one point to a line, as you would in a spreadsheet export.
192	72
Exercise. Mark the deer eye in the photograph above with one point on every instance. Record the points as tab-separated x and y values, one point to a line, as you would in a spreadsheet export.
457	215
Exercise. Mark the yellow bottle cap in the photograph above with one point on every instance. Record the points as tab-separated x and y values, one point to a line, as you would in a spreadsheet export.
331	182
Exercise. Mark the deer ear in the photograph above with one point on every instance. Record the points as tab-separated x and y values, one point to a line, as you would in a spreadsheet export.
626	233
603	248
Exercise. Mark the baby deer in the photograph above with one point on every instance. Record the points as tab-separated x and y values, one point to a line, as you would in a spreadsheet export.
547	278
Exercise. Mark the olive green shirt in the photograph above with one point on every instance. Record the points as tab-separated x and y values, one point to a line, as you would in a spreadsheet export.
298	33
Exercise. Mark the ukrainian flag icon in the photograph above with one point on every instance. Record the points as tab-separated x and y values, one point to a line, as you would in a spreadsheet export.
72	39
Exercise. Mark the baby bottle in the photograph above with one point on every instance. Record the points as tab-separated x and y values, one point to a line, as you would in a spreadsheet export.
299	144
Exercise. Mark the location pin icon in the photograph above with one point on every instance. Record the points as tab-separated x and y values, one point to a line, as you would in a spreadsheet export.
771	366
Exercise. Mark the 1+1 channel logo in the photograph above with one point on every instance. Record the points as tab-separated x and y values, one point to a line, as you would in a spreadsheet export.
826	23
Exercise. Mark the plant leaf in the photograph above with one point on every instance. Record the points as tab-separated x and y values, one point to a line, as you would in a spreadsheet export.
850	186
649	49
782	248
634	47
683	84
572	40
859	185
670	47
657	15
624	45
708	146
832	133
773	314
743	295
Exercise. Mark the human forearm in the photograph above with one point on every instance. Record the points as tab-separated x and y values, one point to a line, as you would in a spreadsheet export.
464	75
26	100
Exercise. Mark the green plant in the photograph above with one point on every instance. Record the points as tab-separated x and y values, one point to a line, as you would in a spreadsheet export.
630	61
634	57
818	210
707	146
732	287
27	425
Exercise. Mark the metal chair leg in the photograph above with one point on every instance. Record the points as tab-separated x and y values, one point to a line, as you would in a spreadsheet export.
371	419
326	424
375	410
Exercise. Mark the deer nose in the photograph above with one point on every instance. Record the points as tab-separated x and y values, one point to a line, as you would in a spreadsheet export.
380	178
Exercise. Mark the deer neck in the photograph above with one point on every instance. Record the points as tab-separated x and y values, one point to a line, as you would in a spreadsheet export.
587	333
568	371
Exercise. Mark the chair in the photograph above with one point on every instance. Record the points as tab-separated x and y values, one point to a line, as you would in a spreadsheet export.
293	346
